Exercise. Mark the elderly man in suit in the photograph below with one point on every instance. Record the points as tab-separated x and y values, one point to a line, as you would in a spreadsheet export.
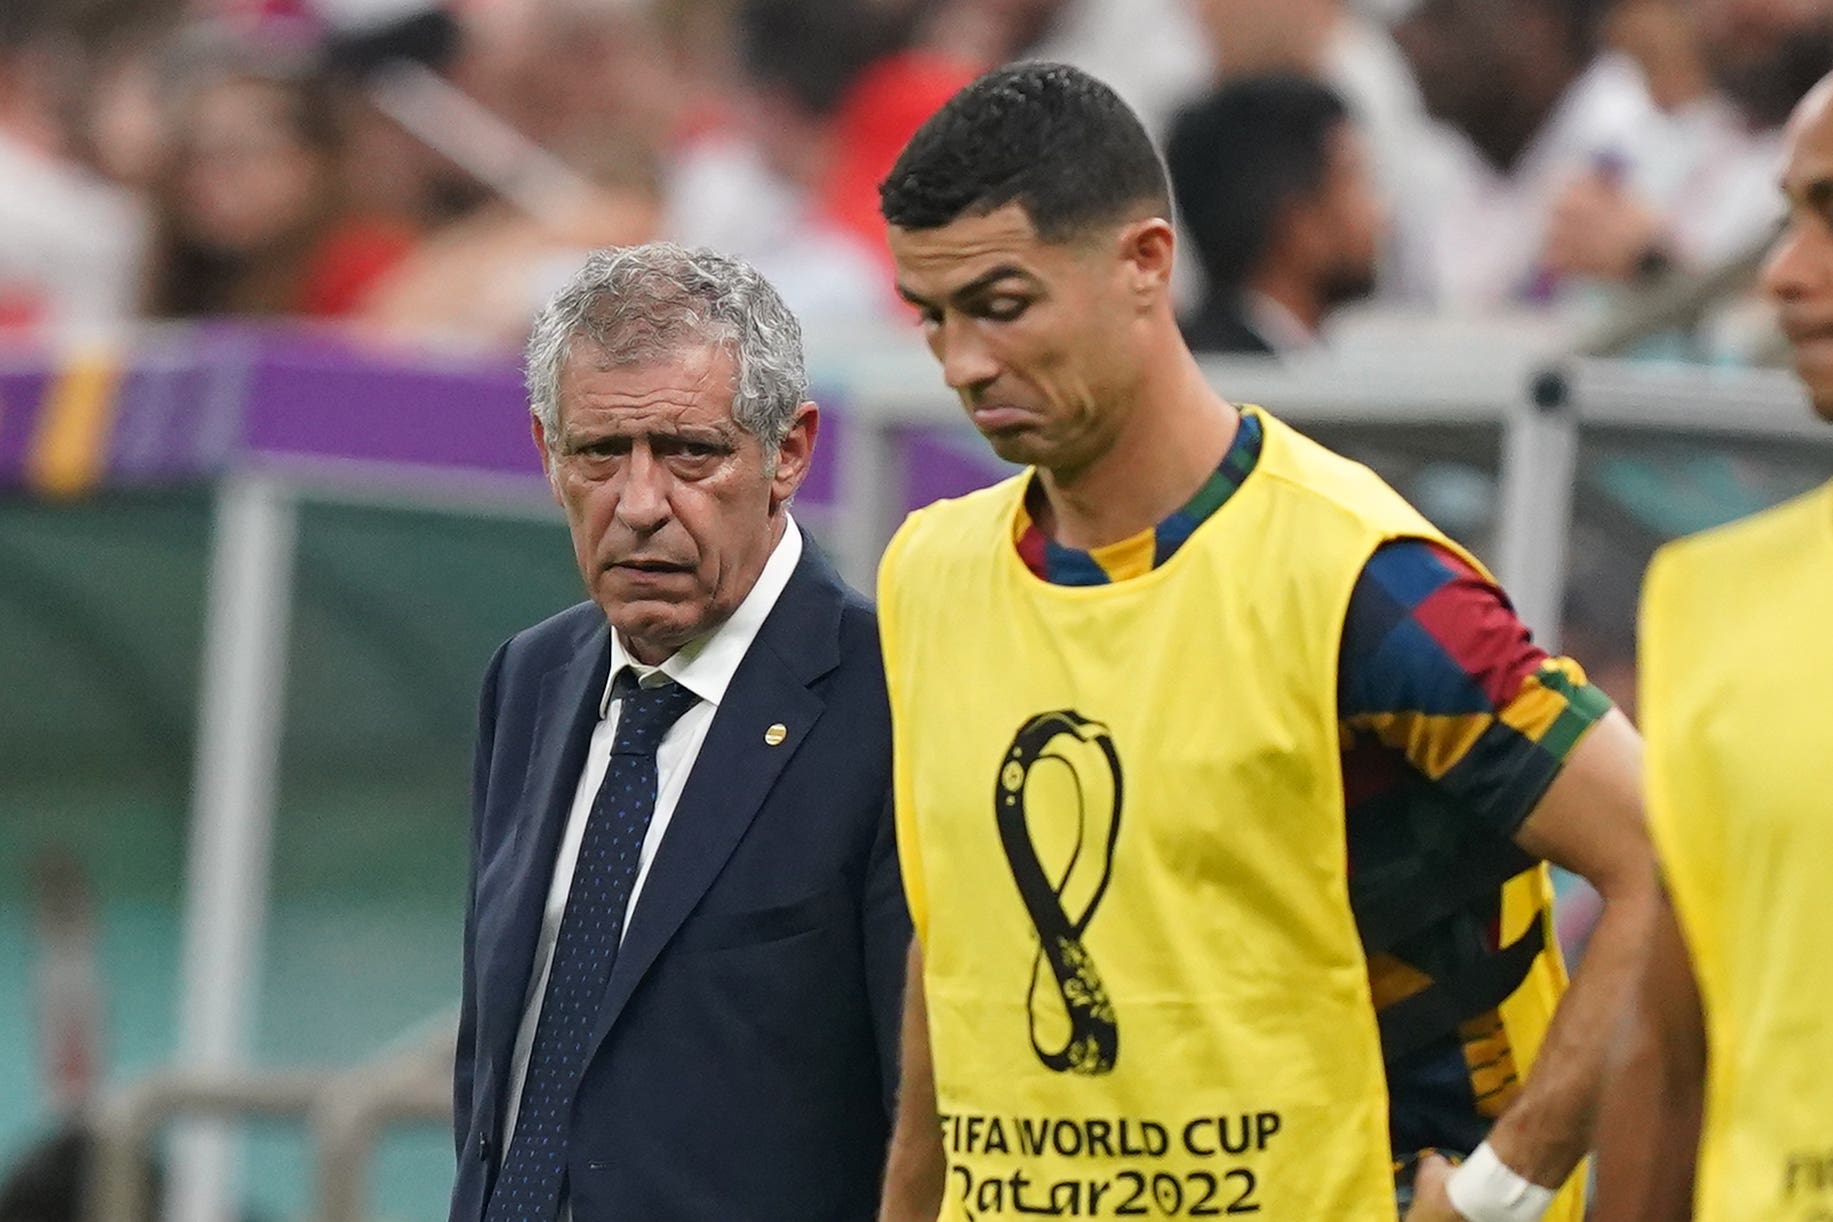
686	930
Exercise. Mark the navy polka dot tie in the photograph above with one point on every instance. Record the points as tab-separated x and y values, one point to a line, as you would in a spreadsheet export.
533	1177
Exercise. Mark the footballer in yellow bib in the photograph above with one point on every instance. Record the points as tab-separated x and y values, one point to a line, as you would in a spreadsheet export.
1730	1058
1223	778
1152	843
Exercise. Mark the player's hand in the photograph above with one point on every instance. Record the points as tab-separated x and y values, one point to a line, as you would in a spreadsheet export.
1430	1201
1599	228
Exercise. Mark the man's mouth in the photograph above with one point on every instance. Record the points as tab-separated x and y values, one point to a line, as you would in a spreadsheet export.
652	568
1802	336
997	417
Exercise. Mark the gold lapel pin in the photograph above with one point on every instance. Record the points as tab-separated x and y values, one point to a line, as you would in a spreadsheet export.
776	734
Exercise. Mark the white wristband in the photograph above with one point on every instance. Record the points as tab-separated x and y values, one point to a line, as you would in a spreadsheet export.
1484	1189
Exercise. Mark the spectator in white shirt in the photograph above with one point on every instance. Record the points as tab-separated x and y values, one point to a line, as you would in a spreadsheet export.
1533	107
1702	187
71	245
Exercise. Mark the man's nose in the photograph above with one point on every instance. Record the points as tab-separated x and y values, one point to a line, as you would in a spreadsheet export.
1800	262
966	361
642	497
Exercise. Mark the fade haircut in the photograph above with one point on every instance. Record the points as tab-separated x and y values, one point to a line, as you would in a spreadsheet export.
1048	137
631	306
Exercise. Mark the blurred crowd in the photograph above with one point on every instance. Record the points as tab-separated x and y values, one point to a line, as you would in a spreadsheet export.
433	169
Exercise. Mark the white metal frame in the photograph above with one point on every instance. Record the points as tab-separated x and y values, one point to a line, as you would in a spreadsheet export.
234	798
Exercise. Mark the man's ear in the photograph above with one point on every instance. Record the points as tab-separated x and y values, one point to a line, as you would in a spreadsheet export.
1148	249
795	455
547	456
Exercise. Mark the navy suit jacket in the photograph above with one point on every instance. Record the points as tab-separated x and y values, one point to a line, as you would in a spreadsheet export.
745	1053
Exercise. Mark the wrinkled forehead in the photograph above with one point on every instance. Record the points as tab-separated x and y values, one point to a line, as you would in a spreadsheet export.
650	349
639	324
700	374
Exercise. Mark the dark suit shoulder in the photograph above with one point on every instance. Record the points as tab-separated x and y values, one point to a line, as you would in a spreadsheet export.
554	640
568	628
858	621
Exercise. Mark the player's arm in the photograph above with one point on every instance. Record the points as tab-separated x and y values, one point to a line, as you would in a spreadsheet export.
1437	666
1589	821
915	1170
1648	1134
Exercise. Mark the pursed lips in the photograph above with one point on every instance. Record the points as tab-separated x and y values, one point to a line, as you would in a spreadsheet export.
997	416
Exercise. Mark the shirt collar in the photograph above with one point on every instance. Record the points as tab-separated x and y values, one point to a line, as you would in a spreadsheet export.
705	665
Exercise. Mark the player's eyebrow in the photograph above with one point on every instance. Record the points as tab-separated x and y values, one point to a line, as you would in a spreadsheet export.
977	285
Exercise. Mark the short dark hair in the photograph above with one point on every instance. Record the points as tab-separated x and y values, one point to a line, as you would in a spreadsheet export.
1048	137
1239	157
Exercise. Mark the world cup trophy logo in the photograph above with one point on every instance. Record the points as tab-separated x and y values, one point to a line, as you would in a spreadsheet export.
1057	800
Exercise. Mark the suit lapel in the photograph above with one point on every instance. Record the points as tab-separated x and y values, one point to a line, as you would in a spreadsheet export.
565	716
735	769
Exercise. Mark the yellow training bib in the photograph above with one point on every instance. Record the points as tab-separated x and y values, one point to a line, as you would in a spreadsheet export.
1121	821
1737	702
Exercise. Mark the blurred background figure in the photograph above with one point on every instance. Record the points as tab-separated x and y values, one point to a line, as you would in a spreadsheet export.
1332	41
1532	105
1603	143
1150	51
479	279
391	172
47	1183
760	184
382	159
251	214
72	249
1275	187
68	985
1721	76
1346	47
1247	39
1766	54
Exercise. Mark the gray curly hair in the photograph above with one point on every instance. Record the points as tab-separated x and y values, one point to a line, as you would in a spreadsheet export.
638	304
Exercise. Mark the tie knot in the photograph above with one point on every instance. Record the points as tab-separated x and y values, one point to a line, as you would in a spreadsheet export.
646	713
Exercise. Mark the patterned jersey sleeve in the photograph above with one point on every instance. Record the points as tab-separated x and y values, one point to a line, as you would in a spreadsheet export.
1439	677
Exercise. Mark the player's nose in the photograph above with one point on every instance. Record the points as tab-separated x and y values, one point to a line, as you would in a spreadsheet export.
1799	263
966	360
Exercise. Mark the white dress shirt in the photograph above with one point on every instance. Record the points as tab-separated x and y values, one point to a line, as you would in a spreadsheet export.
1486	227
704	667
